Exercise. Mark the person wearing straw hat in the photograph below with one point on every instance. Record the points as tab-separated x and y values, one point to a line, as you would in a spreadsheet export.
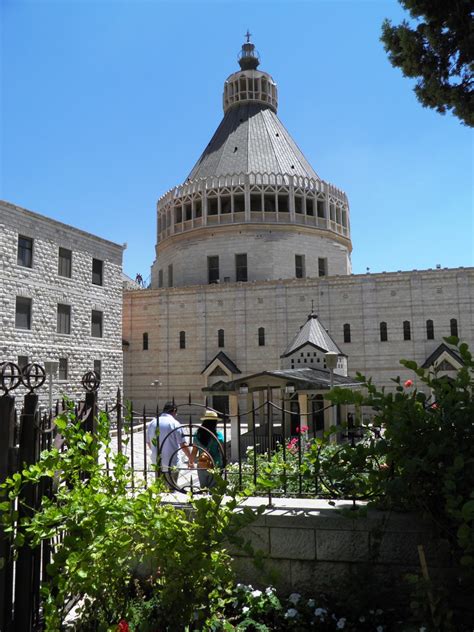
207	444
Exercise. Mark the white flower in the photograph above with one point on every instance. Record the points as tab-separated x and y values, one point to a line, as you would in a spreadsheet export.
294	598
341	623
291	613
245	609
311	603
256	593
320	612
270	590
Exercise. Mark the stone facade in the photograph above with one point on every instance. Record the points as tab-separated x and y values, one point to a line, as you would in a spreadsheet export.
281	308
43	284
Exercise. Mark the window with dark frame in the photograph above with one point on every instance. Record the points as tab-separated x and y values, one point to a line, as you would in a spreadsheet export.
145	341
213	269
170	275
453	326
383	332
429	330
25	251
97	324
64	319
22	361
347	332
322	266
406	330
62	369
182	340
241	267
299	266
65	263
98	367
261	336
97	272
160	278
23	313
220	338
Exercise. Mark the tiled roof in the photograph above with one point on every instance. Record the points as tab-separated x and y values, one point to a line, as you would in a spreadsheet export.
251	138
443	348
304	379
315	334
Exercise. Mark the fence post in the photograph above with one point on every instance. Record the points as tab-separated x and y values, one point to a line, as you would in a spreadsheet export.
7	442
25	590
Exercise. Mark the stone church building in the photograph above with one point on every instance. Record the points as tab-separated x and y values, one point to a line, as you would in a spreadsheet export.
251	243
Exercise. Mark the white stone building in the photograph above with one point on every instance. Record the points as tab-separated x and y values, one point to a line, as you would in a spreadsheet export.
61	299
248	245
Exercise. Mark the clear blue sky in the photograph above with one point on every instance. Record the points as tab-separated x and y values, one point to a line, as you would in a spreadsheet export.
106	105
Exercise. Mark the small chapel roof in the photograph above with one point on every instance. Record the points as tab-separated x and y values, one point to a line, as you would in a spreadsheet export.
315	334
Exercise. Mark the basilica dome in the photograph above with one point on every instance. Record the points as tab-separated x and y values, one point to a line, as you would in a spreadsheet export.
252	208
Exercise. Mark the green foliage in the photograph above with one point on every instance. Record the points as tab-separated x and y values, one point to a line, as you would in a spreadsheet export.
437	49
427	446
103	531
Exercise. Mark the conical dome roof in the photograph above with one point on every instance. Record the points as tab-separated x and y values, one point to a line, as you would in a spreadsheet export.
251	138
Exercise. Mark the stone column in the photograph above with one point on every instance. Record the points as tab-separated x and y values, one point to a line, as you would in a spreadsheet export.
303	404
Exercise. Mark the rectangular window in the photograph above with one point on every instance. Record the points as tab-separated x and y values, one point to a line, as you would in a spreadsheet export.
241	267
160	278
320	208
283	204
220	338
298	204
25	251
212	207
309	206
64	319
322	266
97	324
23	313
62	370
65	263
145	342
182	340
406	330
213	269
98	367
299	266
22	361
197	208
170	275
261	336
97	272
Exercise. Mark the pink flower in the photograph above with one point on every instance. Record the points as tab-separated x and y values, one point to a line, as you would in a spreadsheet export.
408	383
123	626
434	406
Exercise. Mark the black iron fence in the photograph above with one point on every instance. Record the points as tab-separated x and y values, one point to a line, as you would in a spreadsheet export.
267	448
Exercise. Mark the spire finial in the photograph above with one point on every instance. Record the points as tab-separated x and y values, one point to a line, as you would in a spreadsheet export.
248	58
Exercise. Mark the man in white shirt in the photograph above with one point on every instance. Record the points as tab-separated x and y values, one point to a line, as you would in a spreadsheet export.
168	440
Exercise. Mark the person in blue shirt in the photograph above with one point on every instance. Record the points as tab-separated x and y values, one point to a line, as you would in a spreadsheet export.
208	444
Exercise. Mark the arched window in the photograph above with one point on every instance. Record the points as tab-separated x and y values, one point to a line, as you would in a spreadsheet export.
406	330
453	323
429	330
383	332
347	332
220	338
145	342
261	336
182	340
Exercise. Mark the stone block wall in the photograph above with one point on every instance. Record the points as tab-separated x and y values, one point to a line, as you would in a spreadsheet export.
47	288
310	546
281	307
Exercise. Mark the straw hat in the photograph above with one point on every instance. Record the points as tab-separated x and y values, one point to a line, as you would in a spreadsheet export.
210	415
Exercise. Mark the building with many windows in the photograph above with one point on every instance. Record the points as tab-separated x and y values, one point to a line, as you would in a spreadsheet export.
61	299
250	243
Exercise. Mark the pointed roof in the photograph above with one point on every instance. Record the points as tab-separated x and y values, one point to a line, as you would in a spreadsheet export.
315	334
223	359
438	352
251	138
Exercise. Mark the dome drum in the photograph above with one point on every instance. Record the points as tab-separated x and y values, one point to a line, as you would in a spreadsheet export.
250	86
253	198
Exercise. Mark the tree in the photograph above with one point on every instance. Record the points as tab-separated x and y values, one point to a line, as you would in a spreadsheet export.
438	49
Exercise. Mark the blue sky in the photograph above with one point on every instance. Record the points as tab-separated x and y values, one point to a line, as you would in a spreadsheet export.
106	105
